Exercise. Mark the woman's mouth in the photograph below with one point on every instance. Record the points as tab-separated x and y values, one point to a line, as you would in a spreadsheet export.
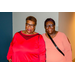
29	29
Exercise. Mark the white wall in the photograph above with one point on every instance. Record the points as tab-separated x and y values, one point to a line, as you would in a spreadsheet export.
19	20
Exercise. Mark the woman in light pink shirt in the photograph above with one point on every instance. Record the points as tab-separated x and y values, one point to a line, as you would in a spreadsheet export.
61	40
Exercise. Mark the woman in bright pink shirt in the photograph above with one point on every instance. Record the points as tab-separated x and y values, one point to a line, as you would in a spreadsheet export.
62	42
27	45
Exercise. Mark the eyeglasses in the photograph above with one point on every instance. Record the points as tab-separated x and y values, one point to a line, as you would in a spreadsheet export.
31	25
51	26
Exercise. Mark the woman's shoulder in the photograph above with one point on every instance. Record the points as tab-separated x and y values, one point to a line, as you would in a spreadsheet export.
39	35
61	33
43	34
64	37
16	34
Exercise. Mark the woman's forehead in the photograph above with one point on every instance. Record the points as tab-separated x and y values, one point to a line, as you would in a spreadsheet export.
29	21
49	22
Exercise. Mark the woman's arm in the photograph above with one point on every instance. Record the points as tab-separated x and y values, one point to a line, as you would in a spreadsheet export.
10	51
9	54
68	50
42	49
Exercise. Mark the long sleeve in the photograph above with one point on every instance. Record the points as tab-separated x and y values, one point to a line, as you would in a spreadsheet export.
42	49
9	55
10	51
68	51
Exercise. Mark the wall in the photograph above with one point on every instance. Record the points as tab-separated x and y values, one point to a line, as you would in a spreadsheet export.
67	25
19	20
5	34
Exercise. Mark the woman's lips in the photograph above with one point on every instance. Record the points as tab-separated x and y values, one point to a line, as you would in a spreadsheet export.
29	30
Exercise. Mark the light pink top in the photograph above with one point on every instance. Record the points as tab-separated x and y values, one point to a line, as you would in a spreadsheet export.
52	54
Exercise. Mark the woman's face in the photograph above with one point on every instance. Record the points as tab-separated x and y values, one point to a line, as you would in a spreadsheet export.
50	27
30	27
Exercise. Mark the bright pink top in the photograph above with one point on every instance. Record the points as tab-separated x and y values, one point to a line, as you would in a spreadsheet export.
52	54
27	48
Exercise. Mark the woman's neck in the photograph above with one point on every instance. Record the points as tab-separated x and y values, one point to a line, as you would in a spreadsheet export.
24	31
52	35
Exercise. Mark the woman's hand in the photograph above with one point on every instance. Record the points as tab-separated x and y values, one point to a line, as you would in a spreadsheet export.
10	60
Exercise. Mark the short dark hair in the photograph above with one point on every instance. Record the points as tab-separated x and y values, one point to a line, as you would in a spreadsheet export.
49	19
32	19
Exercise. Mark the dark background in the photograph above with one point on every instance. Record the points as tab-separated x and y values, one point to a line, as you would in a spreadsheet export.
5	34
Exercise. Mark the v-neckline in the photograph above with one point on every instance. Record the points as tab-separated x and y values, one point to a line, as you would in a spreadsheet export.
27	37
53	37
